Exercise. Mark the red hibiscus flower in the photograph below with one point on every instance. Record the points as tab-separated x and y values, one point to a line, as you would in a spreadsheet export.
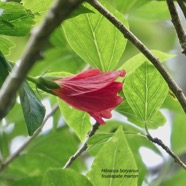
91	91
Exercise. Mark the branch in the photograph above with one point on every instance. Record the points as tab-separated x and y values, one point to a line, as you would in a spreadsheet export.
60	10
182	6
177	25
161	144
83	147
136	42
27	141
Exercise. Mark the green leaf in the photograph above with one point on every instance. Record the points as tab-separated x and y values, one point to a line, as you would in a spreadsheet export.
79	121
135	62
5	45
125	109
178	179
135	140
80	10
57	38
128	6
4	70
18	130
173	104
39	8
58	59
15	20
115	156
30	181
68	177
95	39
149	13
51	149
33	110
134	135
145	91
178	130
96	142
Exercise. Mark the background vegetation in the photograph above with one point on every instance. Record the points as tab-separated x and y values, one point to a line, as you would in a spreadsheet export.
45	142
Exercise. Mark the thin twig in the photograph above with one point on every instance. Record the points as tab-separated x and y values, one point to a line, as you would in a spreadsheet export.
83	147
177	25
182	6
60	10
161	144
136	42
28	140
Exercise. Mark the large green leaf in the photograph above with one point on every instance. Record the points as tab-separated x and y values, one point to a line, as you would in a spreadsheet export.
4	70
18	130
39	8
143	9
52	149
135	62
178	132
79	121
15	20
149	13
112	160
128	6
135	140
177	179
58	59
95	39
133	134
68	177
173	104
5	45
125	109
145	91
33	110
30	181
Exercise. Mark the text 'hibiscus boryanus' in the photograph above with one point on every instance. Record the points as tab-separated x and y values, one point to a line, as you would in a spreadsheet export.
91	91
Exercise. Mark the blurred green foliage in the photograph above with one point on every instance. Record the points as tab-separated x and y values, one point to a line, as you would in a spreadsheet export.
88	40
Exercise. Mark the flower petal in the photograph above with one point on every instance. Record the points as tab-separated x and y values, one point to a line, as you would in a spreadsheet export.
94	101
87	73
92	91
89	84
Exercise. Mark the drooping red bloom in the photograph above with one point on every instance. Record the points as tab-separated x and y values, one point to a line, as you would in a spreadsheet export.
91	91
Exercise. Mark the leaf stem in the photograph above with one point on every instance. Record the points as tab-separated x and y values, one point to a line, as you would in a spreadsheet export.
27	141
141	47
83	147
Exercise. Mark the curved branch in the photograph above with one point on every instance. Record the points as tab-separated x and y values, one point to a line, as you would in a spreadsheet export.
60	10
141	47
